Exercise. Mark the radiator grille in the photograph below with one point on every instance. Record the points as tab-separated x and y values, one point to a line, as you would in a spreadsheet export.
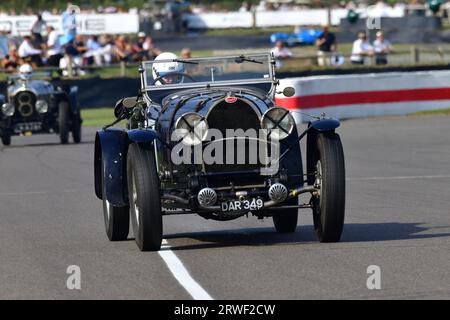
235	116
24	103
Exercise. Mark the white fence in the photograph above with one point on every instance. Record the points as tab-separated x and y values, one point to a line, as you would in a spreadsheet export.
116	23
222	20
366	95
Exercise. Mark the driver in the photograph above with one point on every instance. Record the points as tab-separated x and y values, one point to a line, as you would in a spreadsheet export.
169	72
25	72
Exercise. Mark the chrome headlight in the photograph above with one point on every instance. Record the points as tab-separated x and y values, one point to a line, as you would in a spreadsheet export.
41	106
191	128
8	109
278	122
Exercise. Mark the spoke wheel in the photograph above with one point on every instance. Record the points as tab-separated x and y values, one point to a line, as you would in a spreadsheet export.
144	196
329	178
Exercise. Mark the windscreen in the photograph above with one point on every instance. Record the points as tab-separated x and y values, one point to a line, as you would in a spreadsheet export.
201	71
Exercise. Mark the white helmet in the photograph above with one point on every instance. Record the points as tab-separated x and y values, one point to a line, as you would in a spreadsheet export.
165	69
25	71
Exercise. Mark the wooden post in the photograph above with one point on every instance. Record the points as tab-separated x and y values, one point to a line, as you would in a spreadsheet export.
69	66
123	68
253	18
415	55
441	54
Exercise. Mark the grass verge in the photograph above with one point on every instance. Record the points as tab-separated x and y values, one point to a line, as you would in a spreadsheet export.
445	112
97	117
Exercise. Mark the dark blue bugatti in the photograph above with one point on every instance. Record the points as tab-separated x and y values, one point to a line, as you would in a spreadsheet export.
204	136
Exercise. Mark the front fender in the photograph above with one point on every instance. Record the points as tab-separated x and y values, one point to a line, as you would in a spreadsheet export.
326	124
111	148
142	135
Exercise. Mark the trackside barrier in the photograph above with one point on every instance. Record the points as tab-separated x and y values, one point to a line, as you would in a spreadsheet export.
367	95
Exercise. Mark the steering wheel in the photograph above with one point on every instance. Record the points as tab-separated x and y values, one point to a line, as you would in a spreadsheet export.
160	78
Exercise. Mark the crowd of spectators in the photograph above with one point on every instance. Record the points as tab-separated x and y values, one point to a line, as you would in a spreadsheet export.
379	49
43	48
327	54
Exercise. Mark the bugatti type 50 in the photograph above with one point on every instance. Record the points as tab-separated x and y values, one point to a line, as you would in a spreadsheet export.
204	136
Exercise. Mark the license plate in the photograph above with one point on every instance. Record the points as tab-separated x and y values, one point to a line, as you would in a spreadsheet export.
27	126
252	204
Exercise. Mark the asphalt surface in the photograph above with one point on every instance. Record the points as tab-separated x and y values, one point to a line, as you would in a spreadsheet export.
397	218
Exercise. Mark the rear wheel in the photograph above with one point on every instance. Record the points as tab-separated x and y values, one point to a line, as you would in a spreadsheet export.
63	121
144	195
329	175
6	140
117	219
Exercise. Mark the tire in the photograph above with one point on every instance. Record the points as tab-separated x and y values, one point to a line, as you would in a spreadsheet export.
63	122
145	198
117	219
329	204
76	128
6	140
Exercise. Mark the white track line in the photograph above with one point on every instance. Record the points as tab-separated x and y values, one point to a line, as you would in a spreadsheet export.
400	178
182	274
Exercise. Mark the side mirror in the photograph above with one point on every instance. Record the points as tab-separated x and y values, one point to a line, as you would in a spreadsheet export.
288	91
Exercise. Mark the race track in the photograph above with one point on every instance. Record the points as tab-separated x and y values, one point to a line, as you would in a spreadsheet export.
397	218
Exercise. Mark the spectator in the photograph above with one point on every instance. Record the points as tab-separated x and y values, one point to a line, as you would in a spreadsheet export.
72	61
326	43
189	68
280	52
93	51
138	51
4	43
36	30
69	23
54	50
361	49
79	44
150	47
186	53
28	53
107	46
10	61
122	49
382	48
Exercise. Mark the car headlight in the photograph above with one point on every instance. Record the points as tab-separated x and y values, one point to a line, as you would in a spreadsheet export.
41	106
278	122
191	128
8	109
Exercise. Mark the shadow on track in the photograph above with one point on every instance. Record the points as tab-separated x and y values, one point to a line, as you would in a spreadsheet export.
42	144
356	232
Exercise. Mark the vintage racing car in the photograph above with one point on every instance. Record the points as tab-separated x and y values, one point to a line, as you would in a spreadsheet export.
302	37
38	106
204	136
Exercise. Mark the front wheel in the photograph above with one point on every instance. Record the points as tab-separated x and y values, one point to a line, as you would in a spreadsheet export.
144	197
329	201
